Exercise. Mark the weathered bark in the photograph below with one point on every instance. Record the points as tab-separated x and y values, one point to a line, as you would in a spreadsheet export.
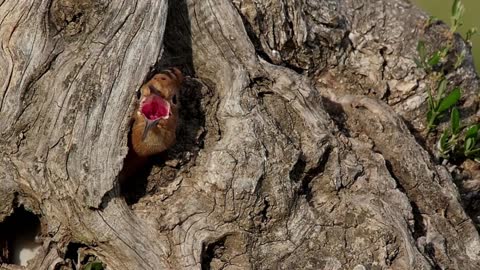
295	149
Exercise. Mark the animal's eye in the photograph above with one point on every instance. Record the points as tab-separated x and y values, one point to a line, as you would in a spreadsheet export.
174	99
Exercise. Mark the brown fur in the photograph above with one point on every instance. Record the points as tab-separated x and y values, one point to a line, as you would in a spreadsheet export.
163	135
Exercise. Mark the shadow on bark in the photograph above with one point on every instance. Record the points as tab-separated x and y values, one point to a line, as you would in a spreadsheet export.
177	53
17	232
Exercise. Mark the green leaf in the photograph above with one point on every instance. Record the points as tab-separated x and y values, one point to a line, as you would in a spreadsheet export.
455	121
430	117
435	59
472	131
445	50
442	143
460	59
471	139
431	105
94	266
449	100
455	7
470	33
422	52
474	152
469	143
431	20
457	14
460	9
442	87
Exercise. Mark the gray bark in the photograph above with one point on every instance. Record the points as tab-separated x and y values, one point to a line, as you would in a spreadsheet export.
300	145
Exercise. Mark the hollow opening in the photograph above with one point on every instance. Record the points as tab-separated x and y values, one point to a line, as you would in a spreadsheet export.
19	241
72	251
143	177
134	177
212	251
78	258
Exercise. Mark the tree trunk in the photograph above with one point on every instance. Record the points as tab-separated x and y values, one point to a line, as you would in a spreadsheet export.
300	145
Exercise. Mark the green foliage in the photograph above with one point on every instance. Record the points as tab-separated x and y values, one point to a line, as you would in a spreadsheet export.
460	59
471	146
431	20
428	62
448	141
440	104
96	265
456	17
458	141
450	100
470	33
455	121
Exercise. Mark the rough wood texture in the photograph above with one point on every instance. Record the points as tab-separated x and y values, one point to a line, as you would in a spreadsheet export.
69	72
295	149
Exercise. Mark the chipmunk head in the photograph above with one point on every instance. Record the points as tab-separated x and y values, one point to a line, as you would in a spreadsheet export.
158	99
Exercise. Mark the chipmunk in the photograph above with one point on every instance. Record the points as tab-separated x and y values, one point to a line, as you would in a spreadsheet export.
155	119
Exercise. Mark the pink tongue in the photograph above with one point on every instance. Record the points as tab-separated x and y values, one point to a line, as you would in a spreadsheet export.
155	107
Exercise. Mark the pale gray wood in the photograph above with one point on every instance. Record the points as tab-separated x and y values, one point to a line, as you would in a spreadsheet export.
69	74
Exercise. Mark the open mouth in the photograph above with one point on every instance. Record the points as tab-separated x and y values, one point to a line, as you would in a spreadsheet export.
154	107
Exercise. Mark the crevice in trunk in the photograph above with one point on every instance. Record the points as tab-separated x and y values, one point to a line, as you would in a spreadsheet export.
212	251
19	237
149	174
419	229
304	178
305	188
72	254
78	258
